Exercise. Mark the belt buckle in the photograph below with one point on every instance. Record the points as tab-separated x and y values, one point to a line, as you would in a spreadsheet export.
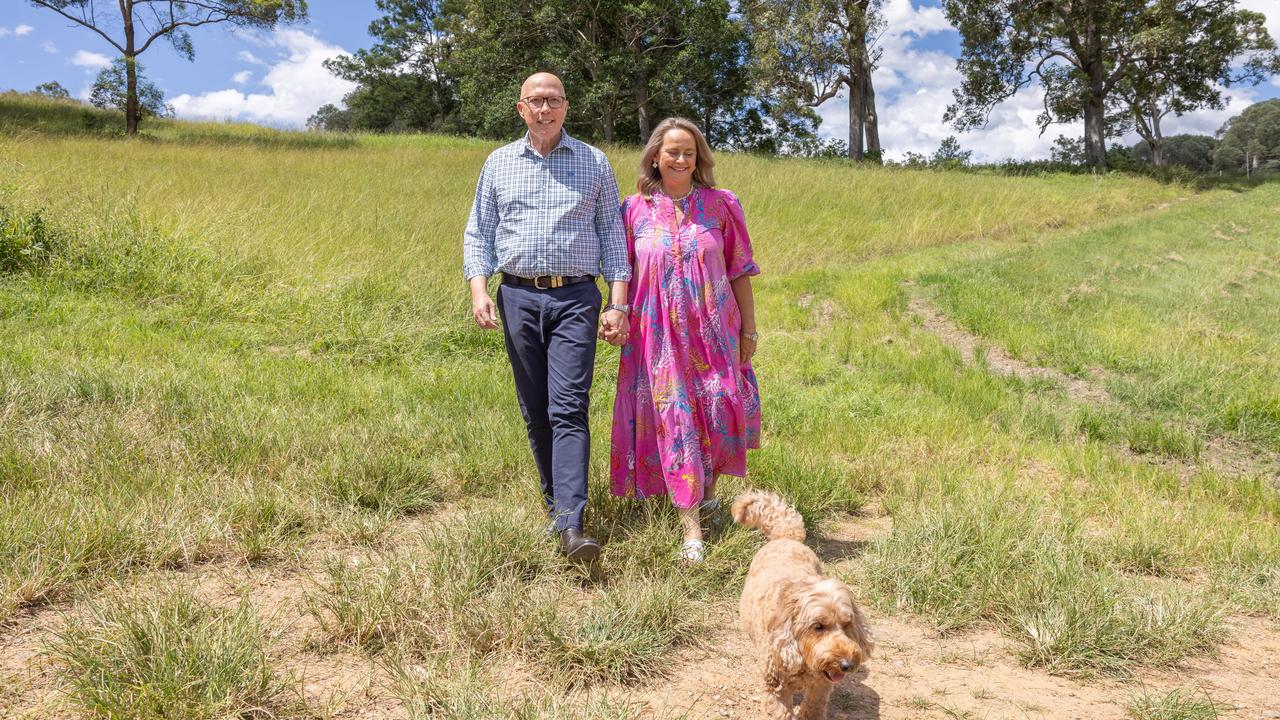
553	281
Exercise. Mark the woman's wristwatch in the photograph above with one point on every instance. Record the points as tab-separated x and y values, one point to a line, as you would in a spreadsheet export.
752	336
623	308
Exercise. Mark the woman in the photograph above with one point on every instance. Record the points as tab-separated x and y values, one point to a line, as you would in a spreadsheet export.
687	407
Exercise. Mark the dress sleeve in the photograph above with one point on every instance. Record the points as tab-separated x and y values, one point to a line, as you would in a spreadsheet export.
738	259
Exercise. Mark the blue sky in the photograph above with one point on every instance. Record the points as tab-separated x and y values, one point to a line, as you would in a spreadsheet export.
276	78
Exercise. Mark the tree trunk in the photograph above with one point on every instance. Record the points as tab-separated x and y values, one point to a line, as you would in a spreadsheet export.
1157	139
857	108
606	124
1095	144
640	90
131	111
872	120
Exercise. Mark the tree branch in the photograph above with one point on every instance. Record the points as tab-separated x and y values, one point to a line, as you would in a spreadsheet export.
80	21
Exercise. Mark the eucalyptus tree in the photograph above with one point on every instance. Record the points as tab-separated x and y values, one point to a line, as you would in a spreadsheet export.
52	89
110	91
402	82
807	52
1195	52
1101	61
625	63
133	26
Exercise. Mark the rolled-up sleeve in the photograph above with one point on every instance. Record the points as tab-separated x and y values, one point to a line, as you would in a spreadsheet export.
479	255
613	237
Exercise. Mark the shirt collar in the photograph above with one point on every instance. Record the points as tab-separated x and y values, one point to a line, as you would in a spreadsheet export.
565	142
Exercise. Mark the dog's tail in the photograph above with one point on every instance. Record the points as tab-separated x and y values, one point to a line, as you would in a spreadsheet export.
770	514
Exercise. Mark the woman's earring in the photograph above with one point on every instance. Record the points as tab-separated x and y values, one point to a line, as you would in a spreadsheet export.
655	164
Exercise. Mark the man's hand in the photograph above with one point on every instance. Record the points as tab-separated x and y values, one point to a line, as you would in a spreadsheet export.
614	327
483	311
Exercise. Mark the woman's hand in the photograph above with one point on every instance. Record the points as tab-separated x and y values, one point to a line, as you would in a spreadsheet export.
614	327
746	348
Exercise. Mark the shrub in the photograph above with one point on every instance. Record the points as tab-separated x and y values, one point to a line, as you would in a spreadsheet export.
27	243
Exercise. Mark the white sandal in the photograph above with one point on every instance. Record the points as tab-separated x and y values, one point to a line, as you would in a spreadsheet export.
693	551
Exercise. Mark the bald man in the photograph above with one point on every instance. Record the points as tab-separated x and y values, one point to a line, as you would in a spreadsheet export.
546	216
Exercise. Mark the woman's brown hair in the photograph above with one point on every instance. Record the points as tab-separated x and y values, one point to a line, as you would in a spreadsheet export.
650	179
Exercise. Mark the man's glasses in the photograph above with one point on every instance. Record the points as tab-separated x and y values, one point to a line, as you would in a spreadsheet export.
555	103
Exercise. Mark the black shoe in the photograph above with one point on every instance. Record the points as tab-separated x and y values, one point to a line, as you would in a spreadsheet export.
578	547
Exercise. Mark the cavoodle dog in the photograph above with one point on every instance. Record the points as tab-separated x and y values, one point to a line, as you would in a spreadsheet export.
804	624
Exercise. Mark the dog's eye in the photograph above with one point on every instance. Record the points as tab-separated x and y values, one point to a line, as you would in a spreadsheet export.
818	627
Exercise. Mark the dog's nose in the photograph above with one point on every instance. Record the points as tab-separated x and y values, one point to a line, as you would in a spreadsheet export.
846	665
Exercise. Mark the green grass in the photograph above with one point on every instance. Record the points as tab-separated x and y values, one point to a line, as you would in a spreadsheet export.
153	657
239	345
1032	569
1176	704
1183	316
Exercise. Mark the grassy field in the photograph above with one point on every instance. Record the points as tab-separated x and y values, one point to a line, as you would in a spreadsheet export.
232	347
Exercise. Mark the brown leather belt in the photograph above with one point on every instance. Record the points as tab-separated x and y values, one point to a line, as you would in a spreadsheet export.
546	282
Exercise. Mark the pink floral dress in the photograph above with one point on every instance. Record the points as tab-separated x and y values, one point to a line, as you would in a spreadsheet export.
686	408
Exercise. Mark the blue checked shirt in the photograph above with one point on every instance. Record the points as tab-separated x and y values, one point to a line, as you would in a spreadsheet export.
556	215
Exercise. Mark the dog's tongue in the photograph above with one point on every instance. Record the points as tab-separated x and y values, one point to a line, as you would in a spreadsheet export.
835	677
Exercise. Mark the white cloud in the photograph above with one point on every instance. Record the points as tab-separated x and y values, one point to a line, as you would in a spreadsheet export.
241	77
298	83
902	16
90	60
48	46
23	30
4	31
249	57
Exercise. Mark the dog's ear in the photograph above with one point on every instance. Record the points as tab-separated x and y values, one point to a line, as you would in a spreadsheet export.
785	659
861	632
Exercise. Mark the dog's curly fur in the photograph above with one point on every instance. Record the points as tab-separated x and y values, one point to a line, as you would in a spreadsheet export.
805	625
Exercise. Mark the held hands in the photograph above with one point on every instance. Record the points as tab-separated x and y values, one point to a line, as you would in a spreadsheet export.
614	327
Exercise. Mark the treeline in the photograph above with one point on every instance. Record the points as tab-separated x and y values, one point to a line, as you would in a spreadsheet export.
1248	143
752	72
455	66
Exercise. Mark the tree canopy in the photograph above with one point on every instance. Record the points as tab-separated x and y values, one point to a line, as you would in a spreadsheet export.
1250	142
456	66
143	22
1088	55
52	89
110	91
1194	152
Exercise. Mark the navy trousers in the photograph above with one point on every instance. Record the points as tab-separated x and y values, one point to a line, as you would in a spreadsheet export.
551	341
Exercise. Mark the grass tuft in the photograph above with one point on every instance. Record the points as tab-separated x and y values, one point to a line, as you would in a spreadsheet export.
1177	704
27	243
173	656
477	692
471	584
991	556
622	636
